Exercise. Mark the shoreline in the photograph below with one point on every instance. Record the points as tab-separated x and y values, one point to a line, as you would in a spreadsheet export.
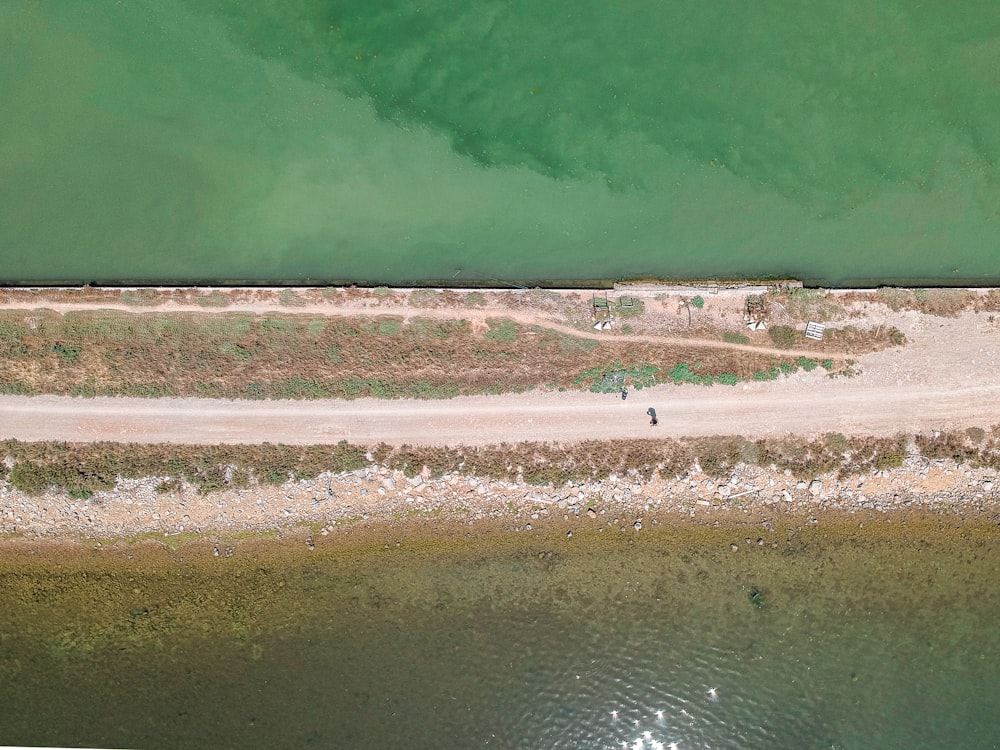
137	295
376	501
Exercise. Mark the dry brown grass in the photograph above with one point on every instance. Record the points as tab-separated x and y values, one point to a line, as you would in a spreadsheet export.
84	468
940	302
303	356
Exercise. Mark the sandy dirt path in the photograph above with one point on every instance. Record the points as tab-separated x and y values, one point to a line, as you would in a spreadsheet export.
946	377
810	405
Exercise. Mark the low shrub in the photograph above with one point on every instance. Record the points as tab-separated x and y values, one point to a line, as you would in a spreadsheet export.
630	307
811	304
976	434
67	352
947	444
806	364
784	337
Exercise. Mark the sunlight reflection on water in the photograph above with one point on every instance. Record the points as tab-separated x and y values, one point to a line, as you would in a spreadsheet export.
644	642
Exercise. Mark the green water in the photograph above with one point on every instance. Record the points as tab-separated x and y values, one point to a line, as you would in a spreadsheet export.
196	140
882	638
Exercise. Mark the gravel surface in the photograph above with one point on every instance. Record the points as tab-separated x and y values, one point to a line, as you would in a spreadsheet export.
377	495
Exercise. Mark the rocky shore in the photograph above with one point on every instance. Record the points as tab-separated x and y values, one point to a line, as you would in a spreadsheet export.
377	497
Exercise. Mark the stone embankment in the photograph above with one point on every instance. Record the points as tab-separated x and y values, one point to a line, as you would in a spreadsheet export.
377	496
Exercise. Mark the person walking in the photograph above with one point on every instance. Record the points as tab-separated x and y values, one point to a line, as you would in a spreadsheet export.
653	421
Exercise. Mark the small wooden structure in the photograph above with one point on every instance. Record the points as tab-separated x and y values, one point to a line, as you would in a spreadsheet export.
600	308
600	311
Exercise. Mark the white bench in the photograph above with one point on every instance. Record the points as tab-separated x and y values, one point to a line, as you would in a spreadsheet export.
815	331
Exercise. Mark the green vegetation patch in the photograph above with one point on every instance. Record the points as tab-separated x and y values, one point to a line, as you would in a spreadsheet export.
67	352
389	327
565	342
941	302
615	376
502	330
806	364
784	337
630	307
811	305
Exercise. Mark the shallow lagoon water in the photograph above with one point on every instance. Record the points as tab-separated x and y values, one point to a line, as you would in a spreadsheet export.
198	140
877	638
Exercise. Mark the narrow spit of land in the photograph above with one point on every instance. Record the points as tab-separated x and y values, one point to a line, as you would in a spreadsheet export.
942	378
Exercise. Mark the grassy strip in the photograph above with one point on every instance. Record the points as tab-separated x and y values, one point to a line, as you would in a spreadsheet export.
615	376
234	355
80	469
84	468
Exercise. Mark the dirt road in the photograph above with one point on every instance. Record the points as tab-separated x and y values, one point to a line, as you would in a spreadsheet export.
809	405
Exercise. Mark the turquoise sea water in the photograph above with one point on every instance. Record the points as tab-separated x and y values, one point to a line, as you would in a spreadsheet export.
875	639
182	140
